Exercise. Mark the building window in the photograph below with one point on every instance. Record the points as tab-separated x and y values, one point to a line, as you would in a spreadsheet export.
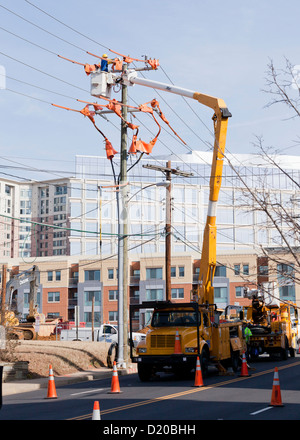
154	294
89	295
181	271
113	295
220	294
220	271
239	291
245	269
53	297
88	319
154	273
286	280
92	275
237	269
113	316
136	273
173	271
263	270
50	275
110	274
60	190
57	275
177	293
53	315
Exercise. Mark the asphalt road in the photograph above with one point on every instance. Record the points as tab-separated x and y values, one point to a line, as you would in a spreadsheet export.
167	400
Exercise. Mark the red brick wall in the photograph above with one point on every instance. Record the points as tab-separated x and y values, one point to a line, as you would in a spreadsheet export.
187	292
60	307
108	306
241	300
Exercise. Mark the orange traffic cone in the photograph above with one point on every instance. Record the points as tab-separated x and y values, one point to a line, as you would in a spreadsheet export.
276	394
115	386
51	394
96	411
198	374
244	369
177	347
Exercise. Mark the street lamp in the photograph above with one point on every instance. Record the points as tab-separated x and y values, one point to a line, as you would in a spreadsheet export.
164	184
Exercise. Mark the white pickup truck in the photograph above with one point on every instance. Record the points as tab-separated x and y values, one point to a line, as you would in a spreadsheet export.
106	332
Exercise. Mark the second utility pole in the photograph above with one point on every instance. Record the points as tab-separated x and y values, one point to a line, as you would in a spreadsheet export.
168	171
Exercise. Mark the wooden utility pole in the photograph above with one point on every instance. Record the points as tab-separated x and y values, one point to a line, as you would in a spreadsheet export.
93	316
168	171
3	293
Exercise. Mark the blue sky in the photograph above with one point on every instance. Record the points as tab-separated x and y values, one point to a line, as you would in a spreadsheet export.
219	48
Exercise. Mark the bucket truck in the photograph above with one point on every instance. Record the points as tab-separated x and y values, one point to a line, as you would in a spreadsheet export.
273	323
195	324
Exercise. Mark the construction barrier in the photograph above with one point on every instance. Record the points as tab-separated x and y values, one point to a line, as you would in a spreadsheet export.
198	374
276	393
115	386
244	369
51	394
96	411
177	347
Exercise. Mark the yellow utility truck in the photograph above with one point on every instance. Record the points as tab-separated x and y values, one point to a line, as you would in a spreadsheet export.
273	323
179	332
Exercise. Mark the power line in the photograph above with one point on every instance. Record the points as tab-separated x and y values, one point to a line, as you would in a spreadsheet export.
44	73
67	26
42	29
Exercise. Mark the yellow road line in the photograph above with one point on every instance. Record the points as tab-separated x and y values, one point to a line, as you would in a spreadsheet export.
183	393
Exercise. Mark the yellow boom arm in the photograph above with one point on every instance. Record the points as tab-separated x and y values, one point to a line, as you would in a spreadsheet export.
205	291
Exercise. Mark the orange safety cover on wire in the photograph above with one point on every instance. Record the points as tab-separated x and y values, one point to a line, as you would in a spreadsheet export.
110	151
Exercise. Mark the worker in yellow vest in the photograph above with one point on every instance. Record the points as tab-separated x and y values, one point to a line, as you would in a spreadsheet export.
247	334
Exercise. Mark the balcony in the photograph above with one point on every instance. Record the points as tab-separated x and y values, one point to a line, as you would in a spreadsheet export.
73	281
134	300
134	280
72	303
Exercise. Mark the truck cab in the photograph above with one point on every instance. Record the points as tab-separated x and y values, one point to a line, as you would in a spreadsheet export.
199	332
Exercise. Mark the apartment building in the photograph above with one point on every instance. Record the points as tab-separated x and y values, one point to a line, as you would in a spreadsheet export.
68	281
64	217
69	228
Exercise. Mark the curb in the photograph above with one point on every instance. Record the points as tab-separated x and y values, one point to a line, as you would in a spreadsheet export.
25	386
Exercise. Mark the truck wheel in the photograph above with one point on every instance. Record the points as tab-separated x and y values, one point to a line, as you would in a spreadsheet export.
235	359
292	352
284	353
144	372
112	355
28	335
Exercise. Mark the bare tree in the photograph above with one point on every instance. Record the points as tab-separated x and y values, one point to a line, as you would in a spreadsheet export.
281	215
280	83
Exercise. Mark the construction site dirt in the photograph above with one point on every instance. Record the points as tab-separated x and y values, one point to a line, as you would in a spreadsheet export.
65	357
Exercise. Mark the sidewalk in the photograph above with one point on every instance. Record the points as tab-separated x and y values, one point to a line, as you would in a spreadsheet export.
25	386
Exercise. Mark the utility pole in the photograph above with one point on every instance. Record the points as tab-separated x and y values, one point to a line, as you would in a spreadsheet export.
168	171
93	317
123	240
168	233
3	293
